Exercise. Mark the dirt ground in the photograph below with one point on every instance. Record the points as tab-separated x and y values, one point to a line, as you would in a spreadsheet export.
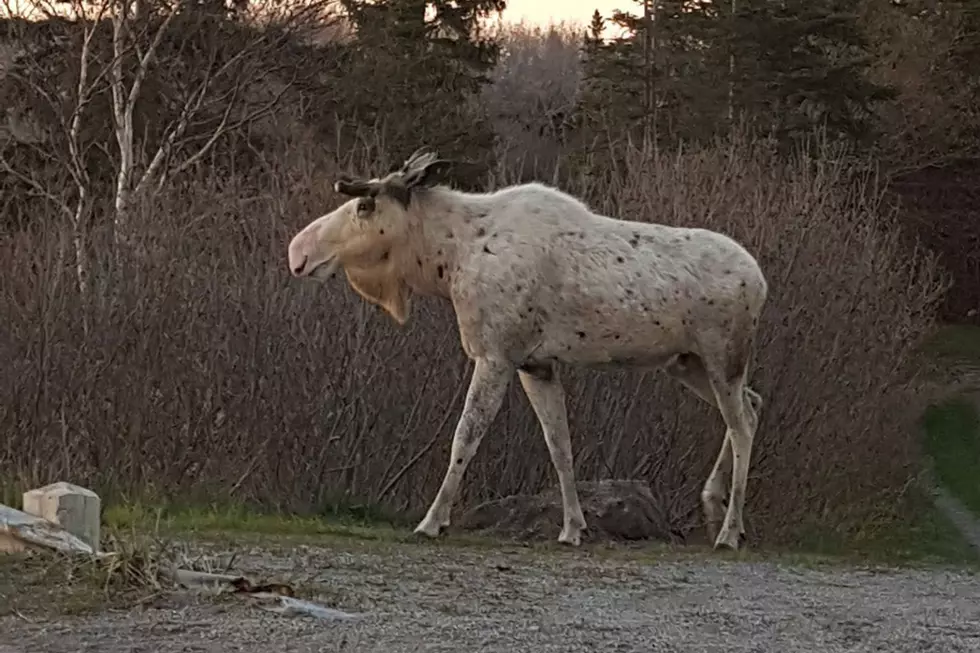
440	597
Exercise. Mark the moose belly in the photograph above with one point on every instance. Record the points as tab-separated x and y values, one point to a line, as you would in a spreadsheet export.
651	342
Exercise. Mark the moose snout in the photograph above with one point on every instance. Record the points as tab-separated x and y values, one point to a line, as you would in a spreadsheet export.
299	256
299	267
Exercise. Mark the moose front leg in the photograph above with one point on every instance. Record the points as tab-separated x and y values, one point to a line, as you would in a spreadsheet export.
483	399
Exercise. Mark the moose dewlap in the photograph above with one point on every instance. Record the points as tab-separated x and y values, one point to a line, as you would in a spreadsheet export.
536	279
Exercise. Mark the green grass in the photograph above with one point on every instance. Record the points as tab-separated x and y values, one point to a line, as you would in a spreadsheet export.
954	342
952	441
928	539
925	536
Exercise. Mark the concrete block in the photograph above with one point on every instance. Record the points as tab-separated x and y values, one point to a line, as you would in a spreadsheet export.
76	509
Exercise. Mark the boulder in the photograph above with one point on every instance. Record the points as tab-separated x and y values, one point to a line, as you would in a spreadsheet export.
615	510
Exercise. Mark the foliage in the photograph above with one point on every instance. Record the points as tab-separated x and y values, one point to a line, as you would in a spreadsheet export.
696	70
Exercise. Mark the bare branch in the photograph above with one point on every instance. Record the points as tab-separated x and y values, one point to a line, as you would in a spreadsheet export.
36	186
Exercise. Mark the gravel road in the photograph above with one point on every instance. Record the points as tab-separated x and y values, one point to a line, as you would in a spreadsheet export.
418	597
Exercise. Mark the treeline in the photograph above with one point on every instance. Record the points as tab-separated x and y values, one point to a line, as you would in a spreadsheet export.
158	157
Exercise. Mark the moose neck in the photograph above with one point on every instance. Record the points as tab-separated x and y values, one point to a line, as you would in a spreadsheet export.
445	222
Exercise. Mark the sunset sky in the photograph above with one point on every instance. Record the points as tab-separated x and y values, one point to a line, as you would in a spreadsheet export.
534	11
540	11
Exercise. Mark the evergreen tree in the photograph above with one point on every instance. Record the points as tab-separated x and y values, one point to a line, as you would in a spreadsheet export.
694	69
803	64
420	63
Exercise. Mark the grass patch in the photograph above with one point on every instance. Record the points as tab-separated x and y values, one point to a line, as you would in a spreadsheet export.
924	536
954	343
952	441
929	539
237	522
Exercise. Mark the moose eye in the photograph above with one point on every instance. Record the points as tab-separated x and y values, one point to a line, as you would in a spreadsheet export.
365	207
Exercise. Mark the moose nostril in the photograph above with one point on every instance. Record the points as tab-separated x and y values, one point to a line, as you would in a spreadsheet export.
299	268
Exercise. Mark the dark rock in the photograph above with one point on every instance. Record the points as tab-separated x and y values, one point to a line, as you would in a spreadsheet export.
615	510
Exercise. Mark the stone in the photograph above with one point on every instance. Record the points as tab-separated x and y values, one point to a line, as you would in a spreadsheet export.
76	509
615	510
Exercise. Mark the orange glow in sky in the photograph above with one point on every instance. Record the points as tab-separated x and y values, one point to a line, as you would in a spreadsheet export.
579	11
541	12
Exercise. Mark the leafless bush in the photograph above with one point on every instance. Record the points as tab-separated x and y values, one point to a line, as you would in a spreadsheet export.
205	372
530	119
214	375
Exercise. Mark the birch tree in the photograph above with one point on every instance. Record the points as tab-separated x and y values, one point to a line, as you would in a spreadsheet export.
213	70
27	73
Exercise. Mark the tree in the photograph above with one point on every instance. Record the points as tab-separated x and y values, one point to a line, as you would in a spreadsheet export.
929	52
422	61
175	80
693	69
804	64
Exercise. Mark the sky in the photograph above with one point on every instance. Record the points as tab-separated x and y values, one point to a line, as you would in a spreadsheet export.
543	11
537	11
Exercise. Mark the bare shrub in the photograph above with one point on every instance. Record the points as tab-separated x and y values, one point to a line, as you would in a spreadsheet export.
530	119
206	373
212	375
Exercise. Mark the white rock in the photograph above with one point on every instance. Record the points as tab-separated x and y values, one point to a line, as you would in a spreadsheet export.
76	509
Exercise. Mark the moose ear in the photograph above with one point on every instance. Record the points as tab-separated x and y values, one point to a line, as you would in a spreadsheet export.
432	174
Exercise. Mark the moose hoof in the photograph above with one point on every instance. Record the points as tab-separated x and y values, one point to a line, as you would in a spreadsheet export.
571	537
728	539
429	528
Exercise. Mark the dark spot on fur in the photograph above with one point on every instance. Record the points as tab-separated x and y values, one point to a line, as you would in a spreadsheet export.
656	322
711	302
419	261
439	253
518	288
616	336
540	371
439	271
727	272
742	284
580	334
459	461
481	232
381	231
449	236
384	257
620	259
687	237
629	293
487	250
635	240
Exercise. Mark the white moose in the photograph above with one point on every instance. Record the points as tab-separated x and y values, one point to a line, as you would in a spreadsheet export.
537	279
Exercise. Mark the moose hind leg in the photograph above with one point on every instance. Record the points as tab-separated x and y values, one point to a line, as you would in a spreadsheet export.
690	371
738	414
547	398
483	399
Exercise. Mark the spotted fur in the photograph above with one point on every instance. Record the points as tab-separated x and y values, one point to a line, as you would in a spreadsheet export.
537	279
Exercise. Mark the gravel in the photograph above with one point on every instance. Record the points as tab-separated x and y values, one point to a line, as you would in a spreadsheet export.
436	597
